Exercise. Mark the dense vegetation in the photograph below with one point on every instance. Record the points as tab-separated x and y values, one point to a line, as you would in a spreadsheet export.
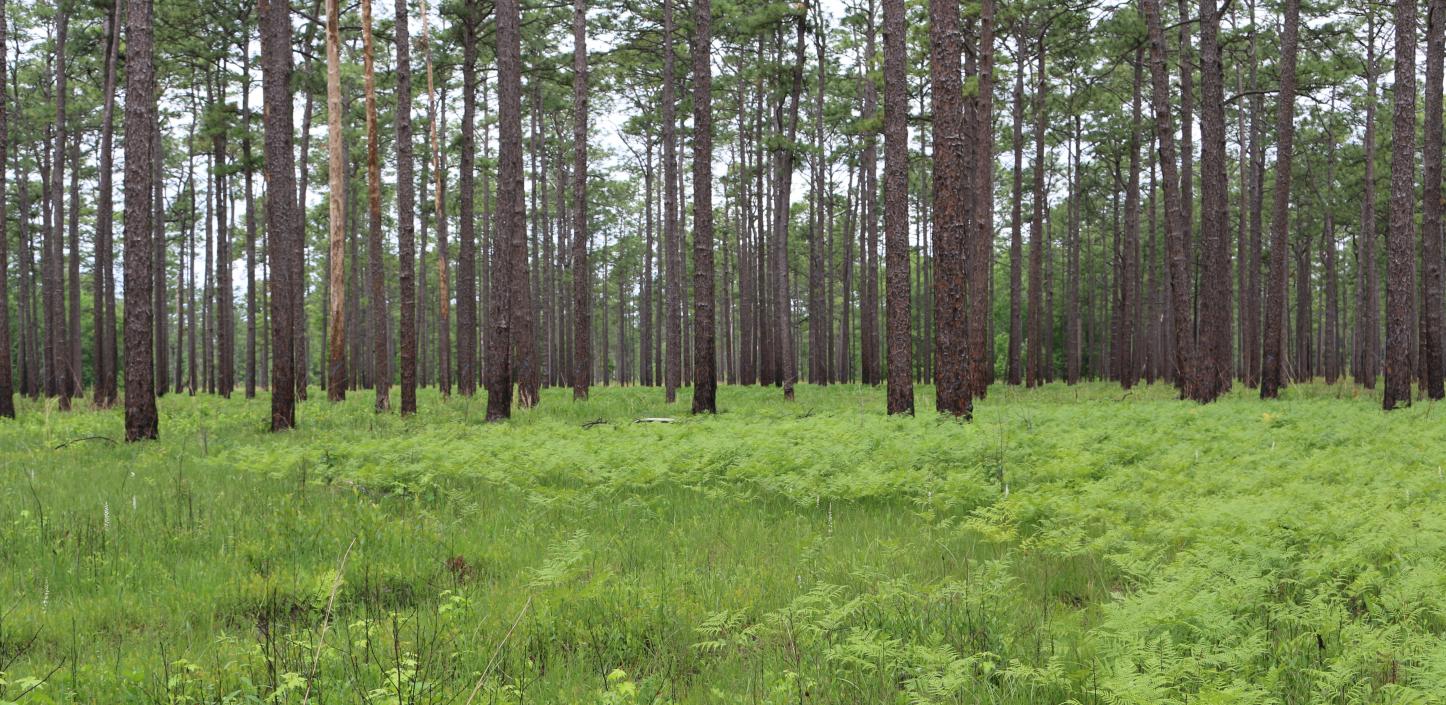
1147	263
1068	545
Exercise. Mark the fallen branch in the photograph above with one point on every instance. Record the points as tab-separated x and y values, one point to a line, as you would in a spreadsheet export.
107	439
653	420
595	422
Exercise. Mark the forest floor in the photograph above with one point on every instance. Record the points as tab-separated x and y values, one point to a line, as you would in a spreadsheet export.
1072	544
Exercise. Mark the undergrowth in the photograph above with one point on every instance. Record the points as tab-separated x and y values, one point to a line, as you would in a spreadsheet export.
1072	544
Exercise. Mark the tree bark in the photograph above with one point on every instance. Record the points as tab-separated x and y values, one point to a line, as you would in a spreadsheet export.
510	223
1368	325
336	170
58	379
869	253
1431	198
376	290
1401	260
1174	207
1214	368
1272	373
979	256
1034	357
581	272
140	116
1129	299
1014	372
950	225
896	209
250	227
7	385
406	214
705	372
673	374
283	213
466	221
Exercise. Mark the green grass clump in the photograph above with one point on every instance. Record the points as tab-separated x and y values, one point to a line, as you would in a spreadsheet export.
1072	544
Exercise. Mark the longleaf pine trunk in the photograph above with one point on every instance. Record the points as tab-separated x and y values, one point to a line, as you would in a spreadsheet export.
1272	371
7	384
1214	369
705	371
510	222
950	231
581	274
376	290
466	221
140	116
673	325
1178	270
1431	202
337	381
896	210
406	214
1400	255
283	212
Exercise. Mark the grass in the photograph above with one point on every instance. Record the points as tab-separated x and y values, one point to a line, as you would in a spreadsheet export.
1073	544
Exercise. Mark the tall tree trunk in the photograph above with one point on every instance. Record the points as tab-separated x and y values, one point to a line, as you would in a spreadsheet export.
1034	357
1330	350
59	377
104	280
896	208
250	227
406	215
979	256
1401	261
646	375
510	217
140	117
72	282
336	169
1272	373
283	212
444	344
673	375
819	323
950	230
225	327
783	185
1187	158
7	385
1073	332
1303	308
1213	357
1184	345
869	253
581	272
466	222
376	290
1015	370
1431	199
1368	327
524	336
705	369
1126	343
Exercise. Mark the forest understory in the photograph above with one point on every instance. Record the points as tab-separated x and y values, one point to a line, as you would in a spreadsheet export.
1071	544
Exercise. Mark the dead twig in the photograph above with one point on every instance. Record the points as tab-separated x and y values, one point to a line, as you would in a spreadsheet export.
498	650
107	439
326	621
